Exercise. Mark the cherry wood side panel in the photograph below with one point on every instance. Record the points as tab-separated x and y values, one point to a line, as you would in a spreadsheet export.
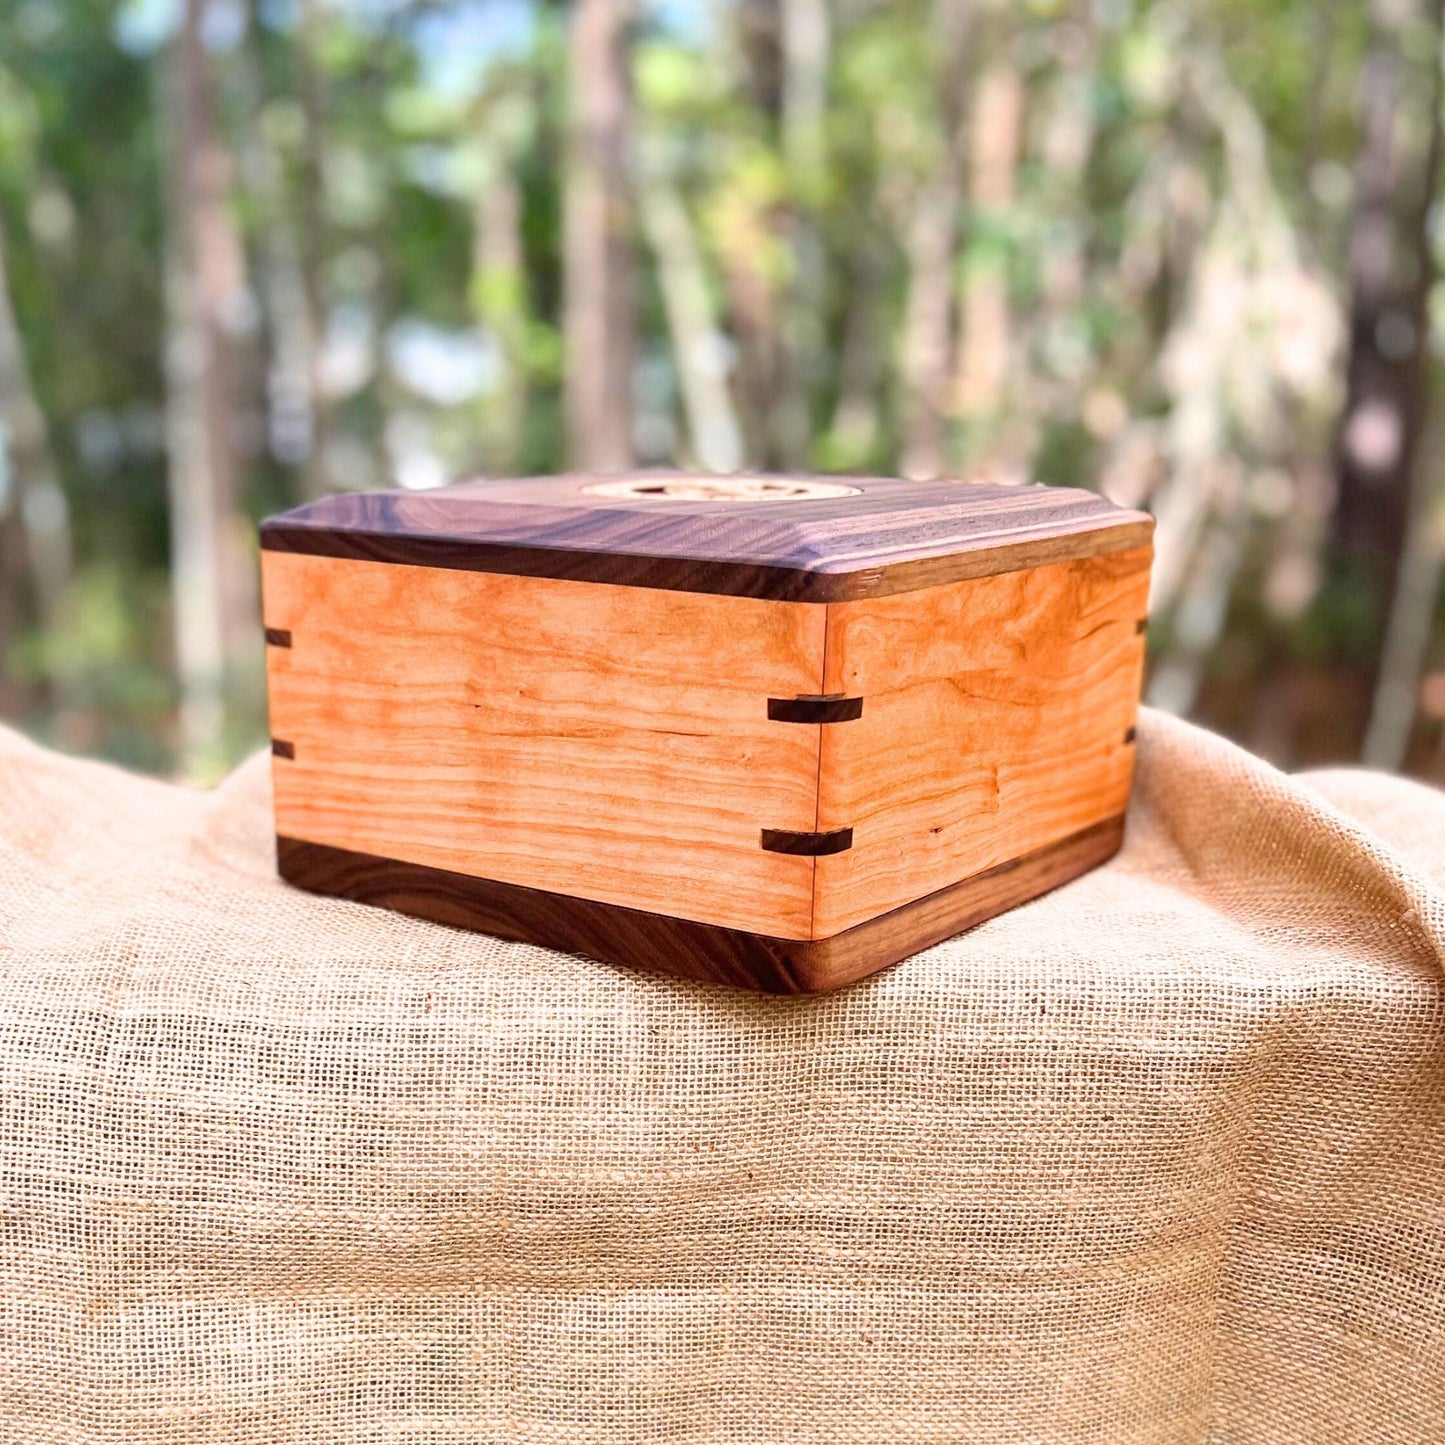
678	946
605	742
996	722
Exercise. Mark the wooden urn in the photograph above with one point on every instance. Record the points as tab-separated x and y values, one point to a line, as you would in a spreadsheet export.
766	731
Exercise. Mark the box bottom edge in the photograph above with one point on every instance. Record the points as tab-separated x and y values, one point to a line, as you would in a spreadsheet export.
681	947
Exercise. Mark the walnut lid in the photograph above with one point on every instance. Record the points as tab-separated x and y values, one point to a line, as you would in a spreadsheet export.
794	538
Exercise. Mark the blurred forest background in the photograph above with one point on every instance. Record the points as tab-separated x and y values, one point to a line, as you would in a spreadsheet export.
1185	252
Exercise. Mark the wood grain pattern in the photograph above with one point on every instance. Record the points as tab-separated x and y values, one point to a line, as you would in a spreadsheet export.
599	741
663	944
998	721
890	537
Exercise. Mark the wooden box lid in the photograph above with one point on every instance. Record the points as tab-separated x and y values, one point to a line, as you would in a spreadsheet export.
793	539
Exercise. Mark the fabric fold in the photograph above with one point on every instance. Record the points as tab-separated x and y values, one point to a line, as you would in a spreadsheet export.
1159	1157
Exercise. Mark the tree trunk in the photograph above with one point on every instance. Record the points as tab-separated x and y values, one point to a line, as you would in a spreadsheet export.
753	309
929	245
34	497
1067	144
1198	622
319	478
807	44
499	294
203	277
598	300
983	309
1391	272
1414	569
1407	636
853	434
697	346
806	33
291	360
746	231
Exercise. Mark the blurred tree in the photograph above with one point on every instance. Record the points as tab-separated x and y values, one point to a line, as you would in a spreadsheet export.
984	344
745	216
499	266
1390	271
36	552
309	204
599	253
931	242
805	40
205	290
32	498
1392	274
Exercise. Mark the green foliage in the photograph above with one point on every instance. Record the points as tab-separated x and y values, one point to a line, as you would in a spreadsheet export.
1165	259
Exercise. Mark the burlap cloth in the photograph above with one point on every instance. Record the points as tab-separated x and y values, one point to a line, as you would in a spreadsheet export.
1160	1157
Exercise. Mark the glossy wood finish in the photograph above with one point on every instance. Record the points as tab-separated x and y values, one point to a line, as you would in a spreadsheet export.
787	789
607	742
997	723
807	845
662	944
888	537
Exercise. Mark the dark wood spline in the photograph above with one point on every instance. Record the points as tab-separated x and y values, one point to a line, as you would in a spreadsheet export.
807	845
819	708
278	637
280	748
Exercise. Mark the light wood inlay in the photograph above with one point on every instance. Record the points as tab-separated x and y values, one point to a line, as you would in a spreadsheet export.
606	742
997	722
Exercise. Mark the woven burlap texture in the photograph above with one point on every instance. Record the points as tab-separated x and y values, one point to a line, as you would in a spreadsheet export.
1160	1157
